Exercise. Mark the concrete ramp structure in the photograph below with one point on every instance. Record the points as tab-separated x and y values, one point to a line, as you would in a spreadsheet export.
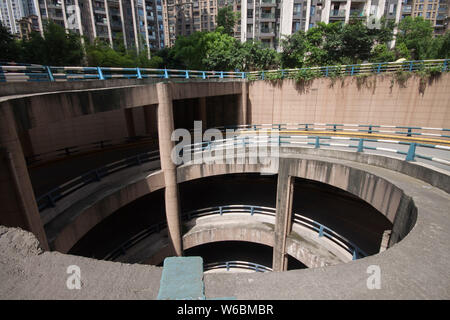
93	205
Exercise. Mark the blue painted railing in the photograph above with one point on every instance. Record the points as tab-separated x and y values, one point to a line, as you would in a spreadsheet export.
236	265
10	72
49	199
320	229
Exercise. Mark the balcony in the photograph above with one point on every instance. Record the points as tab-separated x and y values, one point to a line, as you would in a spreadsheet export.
268	3
356	13
406	9
267	33
267	16
337	14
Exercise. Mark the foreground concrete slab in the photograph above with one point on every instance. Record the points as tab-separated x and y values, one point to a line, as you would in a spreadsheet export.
182	279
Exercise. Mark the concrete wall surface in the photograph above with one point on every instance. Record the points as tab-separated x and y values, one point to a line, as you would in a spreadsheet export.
377	100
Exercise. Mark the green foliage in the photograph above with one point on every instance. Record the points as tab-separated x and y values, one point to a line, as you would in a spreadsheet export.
381	53
417	35
306	75
56	48
227	19
8	47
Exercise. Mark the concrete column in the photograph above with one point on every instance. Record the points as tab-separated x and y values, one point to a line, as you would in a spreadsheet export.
347	11
326	11
244	103
308	14
202	109
165	129
285	189
18	204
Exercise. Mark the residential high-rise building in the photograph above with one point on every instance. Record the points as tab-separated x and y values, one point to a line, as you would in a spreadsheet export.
270	20
184	17
437	11
135	23
12	11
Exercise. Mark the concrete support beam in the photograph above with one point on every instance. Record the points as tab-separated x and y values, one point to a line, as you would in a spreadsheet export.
244	103
283	219
165	129
18	204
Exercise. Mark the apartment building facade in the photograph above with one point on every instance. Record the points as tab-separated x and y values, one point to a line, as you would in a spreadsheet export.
12	11
270	20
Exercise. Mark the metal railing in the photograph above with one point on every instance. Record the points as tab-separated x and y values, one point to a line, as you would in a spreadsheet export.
87	147
440	65
245	139
13	72
50	198
236	265
320	229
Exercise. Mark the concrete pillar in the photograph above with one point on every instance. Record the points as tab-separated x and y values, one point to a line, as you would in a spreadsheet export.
18	204
165	129
202	112
347	10
283	225
243	104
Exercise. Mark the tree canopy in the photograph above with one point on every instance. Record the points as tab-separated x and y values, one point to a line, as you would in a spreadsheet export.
325	44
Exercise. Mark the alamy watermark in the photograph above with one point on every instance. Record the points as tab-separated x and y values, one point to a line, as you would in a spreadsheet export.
231	146
74	280
374	280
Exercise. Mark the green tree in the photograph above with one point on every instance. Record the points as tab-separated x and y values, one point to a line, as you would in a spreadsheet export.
56	48
293	50
253	55
8	47
227	19
381	53
417	35
357	41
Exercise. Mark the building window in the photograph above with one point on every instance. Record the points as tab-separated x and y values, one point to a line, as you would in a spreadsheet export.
297	9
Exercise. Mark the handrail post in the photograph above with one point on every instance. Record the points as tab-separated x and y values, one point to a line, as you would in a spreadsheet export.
50	74
243	75
252	210
317	145
411	152
361	145
321	231
203	75
262	75
355	255
166	74
220	210
187	74
379	68
221	74
138	73
100	73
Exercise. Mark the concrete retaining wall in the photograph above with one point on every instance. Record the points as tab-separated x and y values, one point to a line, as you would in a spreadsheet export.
378	100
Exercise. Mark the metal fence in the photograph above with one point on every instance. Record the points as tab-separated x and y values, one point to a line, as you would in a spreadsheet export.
320	229
16	72
252	136
50	198
236	265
